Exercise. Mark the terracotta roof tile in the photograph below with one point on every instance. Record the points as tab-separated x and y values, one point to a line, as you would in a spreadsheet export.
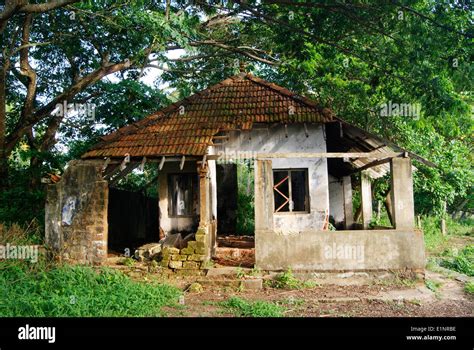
236	102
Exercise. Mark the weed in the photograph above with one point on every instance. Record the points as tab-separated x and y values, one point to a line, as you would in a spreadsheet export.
128	262
246	308
469	288
462	262
287	280
432	285
240	273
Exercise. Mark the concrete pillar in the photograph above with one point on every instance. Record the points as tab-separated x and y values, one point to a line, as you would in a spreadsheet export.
402	193
366	199
347	193
204	196
263	195
205	232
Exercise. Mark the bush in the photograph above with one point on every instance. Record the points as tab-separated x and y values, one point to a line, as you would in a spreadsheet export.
21	235
38	290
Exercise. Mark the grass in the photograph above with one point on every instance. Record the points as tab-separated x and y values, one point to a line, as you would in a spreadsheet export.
432	285
15	234
244	308
435	242
462	261
27	290
469	288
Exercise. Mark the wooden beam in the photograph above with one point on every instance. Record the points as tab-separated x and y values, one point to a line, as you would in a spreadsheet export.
391	144
372	164
162	162
128	169
142	164
368	155
181	165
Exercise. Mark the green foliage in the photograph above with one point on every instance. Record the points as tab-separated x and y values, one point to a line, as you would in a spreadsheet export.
129	262
462	261
245	198
432	285
469	288
21	235
253	309
435	242
77	291
19	202
287	280
349	57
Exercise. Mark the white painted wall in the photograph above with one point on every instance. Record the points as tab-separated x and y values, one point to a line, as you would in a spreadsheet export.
336	199
167	223
276	139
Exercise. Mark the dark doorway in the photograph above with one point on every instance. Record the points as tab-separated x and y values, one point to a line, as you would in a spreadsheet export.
133	220
226	199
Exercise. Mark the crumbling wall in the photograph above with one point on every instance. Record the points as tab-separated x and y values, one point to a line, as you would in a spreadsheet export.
76	214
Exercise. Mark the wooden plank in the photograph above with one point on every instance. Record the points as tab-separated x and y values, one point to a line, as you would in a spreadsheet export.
390	143
372	164
368	155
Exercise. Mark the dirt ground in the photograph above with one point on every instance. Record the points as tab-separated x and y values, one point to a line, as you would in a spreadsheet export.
340	301
339	296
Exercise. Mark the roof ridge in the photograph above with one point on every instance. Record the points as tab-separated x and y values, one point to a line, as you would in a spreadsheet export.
327	112
166	112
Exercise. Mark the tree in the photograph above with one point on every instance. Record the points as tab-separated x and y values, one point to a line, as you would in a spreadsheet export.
56	53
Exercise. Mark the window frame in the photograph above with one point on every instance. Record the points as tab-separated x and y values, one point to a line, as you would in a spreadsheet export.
290	194
194	191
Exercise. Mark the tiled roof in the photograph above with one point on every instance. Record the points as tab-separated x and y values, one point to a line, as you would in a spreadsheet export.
187	127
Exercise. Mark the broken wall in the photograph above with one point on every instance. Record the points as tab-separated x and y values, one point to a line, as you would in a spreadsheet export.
76	214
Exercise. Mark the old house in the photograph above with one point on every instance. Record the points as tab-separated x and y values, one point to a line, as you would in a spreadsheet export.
303	156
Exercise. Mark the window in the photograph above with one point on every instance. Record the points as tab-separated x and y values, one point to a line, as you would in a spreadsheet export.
290	190
181	190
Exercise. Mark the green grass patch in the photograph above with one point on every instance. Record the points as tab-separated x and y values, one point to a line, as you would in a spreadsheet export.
469	288
244	308
462	261
432	285
435	242
27	290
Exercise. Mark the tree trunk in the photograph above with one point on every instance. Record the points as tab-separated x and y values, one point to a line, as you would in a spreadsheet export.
389	206
3	118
